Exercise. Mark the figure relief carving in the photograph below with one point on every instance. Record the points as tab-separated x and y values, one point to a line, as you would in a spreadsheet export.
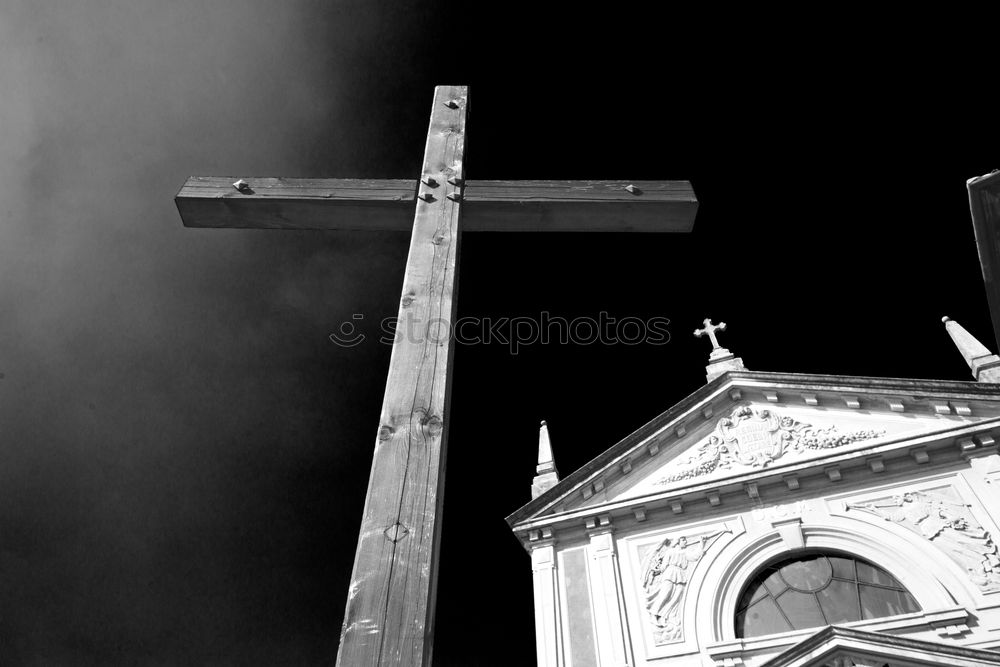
665	581
754	438
948	523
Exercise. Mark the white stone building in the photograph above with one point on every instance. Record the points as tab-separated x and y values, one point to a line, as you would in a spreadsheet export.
779	519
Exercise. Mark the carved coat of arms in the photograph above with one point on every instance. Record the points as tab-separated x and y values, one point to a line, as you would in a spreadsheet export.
755	438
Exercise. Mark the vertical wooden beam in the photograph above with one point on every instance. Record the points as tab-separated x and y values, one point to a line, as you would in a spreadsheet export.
390	604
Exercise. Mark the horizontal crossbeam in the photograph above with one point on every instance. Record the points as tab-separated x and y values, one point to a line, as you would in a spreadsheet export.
387	204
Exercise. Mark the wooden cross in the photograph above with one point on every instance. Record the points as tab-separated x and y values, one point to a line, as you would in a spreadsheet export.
390	604
710	330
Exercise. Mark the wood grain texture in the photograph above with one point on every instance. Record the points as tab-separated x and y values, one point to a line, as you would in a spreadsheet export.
390	604
374	204
984	204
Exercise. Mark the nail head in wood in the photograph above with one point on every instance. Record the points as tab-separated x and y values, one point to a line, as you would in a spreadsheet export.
242	186
396	532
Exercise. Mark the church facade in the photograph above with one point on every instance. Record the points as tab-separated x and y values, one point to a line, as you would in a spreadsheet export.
779	519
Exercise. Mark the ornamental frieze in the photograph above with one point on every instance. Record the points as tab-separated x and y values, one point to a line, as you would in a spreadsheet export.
752	438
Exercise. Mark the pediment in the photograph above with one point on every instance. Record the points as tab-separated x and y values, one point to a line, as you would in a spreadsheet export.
750	437
843	647
748	424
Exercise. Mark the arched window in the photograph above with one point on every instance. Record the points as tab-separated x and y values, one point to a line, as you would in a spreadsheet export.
818	589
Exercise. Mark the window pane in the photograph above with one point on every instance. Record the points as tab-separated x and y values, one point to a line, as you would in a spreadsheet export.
774	584
842	567
752	595
839	601
877	602
807	574
876	575
801	609
813	590
762	618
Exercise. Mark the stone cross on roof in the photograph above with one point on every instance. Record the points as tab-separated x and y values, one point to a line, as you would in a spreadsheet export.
710	330
721	359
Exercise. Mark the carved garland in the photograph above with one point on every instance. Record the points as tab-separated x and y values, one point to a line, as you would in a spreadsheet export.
755	438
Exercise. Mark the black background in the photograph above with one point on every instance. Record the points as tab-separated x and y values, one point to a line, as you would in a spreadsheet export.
184	453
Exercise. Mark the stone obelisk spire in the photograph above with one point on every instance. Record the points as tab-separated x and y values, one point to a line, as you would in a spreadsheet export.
985	365
547	476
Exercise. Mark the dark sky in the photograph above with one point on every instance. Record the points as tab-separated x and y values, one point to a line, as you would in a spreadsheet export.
184	453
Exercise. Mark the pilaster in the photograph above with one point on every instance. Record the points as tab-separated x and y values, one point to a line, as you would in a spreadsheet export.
609	607
548	633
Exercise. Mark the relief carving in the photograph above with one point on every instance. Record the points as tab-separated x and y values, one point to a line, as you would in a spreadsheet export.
755	438
949	525
665	582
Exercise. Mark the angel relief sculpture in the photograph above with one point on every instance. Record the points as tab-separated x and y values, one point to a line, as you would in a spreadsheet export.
665	582
947	524
756	438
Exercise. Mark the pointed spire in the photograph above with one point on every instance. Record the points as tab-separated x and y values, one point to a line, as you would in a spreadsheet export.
720	360
984	364
547	476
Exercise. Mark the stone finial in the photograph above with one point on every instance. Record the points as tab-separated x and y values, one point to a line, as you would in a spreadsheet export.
547	476
985	365
720	360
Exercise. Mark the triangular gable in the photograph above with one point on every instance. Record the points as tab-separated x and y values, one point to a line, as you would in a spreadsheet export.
754	423
750	436
844	646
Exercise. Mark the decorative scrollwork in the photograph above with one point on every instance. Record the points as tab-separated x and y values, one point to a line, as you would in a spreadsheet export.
756	438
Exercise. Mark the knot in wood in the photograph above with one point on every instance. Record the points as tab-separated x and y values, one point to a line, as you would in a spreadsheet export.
432	423
407	300
385	432
439	239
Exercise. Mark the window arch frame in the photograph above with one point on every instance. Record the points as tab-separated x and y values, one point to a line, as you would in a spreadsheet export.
933	586
799	555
